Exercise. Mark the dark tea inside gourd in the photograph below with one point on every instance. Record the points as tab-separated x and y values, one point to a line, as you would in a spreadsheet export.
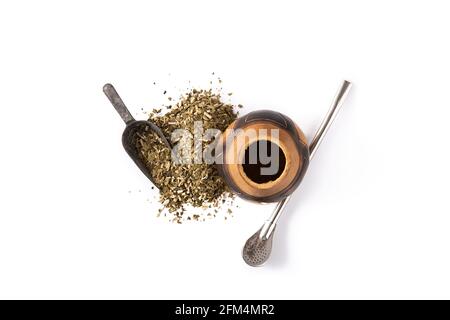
264	161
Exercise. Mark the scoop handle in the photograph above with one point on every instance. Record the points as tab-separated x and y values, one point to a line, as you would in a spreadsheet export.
117	102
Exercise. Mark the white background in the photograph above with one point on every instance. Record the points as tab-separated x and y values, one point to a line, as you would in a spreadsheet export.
370	220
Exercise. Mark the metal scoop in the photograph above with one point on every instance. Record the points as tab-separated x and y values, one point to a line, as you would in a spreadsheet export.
258	247
132	128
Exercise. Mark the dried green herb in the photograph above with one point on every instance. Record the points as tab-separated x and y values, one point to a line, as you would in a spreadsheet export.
193	184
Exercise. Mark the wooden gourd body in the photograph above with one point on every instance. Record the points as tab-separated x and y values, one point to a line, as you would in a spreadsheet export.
236	141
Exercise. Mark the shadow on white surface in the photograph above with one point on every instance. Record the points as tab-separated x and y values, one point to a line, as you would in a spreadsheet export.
283	250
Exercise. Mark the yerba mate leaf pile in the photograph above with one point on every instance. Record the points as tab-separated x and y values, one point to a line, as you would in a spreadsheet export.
184	184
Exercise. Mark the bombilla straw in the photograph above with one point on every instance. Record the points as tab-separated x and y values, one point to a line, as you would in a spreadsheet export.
258	247
318	137
329	118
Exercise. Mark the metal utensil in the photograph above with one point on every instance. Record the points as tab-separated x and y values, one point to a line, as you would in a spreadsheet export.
132	128
258	247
